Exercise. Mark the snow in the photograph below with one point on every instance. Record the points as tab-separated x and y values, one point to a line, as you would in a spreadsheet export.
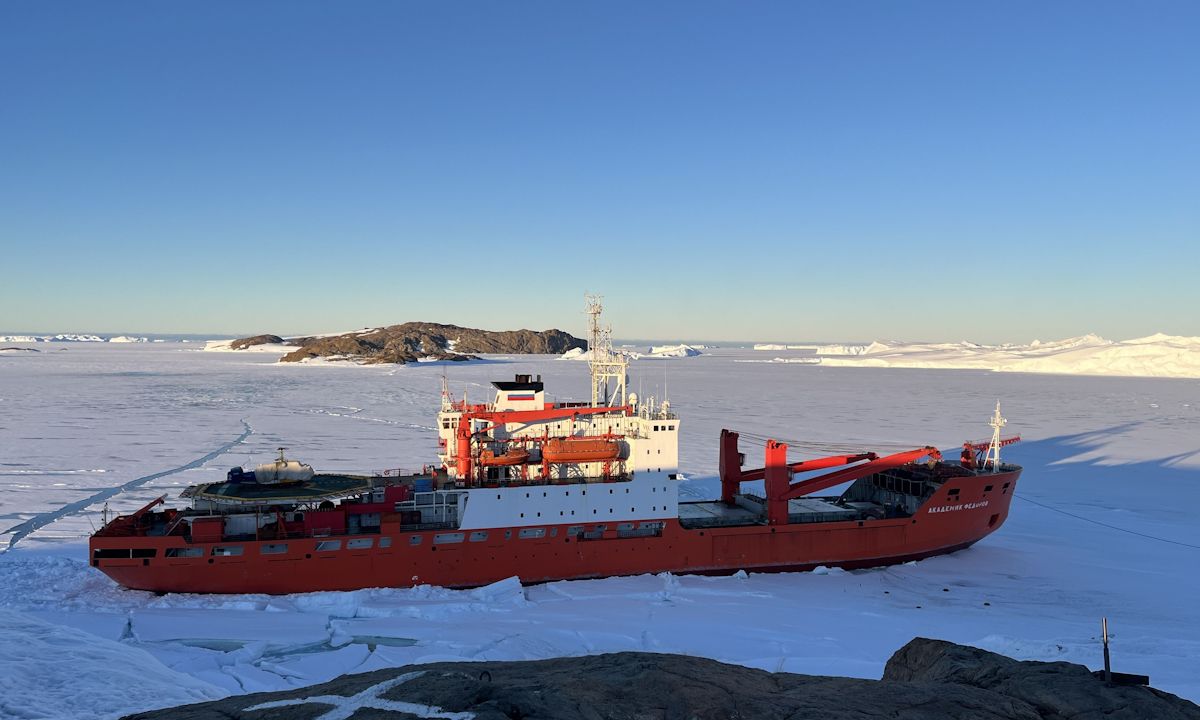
1157	355
672	351
1103	524
787	360
655	352
833	349
227	346
371	698
62	337
55	671
69	337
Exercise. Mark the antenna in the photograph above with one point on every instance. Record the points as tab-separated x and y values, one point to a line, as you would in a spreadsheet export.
993	453
605	365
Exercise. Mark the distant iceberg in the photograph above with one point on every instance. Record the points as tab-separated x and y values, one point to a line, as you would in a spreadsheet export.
63	337
656	352
672	351
1157	355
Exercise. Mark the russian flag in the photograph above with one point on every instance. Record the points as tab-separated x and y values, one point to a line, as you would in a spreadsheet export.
520	396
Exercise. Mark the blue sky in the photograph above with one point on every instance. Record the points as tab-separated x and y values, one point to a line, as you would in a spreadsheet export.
995	171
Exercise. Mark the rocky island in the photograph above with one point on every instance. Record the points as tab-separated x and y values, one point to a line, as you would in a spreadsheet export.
413	341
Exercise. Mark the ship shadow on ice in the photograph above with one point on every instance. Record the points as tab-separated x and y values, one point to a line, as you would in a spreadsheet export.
1083	476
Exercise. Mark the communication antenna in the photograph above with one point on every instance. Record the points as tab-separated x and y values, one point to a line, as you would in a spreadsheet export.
993	453
606	366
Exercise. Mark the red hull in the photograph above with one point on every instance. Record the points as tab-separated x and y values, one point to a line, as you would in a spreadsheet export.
941	525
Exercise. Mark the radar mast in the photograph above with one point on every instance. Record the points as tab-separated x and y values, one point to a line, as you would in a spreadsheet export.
993	454
609	369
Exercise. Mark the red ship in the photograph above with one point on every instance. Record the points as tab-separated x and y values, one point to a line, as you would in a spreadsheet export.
550	491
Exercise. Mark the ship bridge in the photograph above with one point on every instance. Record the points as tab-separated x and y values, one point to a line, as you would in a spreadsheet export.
522	393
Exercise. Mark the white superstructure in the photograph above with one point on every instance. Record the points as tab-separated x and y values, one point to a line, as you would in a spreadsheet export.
521	461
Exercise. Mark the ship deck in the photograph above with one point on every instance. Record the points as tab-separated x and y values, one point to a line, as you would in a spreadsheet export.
751	510
320	487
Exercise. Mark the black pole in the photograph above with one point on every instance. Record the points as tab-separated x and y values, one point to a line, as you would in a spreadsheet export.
1107	666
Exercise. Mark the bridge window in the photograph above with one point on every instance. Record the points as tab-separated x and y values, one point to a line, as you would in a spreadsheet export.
414	540
442	538
358	544
329	545
272	549
227	550
385	542
182	552
528	533
478	536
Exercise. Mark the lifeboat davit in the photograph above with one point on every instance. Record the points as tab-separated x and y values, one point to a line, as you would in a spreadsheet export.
516	456
580	450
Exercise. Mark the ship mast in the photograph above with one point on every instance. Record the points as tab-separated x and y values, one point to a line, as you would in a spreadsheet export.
993	453
605	364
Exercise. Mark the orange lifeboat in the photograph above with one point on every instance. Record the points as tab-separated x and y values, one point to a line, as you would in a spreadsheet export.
516	456
580	450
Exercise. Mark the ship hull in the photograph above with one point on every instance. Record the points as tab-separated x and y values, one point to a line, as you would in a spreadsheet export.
449	558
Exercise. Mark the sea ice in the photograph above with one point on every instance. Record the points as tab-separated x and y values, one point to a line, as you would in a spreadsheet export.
1102	524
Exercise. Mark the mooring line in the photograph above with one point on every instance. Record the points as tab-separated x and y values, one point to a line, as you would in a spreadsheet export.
1104	524
38	521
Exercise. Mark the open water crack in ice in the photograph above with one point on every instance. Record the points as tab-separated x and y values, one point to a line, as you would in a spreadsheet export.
19	532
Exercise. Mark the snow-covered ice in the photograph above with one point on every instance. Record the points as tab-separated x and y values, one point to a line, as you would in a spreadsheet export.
1103	525
1157	355
227	346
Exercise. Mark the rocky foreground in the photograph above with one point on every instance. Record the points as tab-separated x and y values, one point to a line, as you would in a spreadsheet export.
924	680
419	341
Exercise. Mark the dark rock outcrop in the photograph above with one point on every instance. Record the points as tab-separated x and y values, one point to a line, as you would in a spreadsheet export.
925	680
1055	690
244	343
411	341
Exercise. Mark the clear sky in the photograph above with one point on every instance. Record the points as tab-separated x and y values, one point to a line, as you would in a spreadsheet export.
994	171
